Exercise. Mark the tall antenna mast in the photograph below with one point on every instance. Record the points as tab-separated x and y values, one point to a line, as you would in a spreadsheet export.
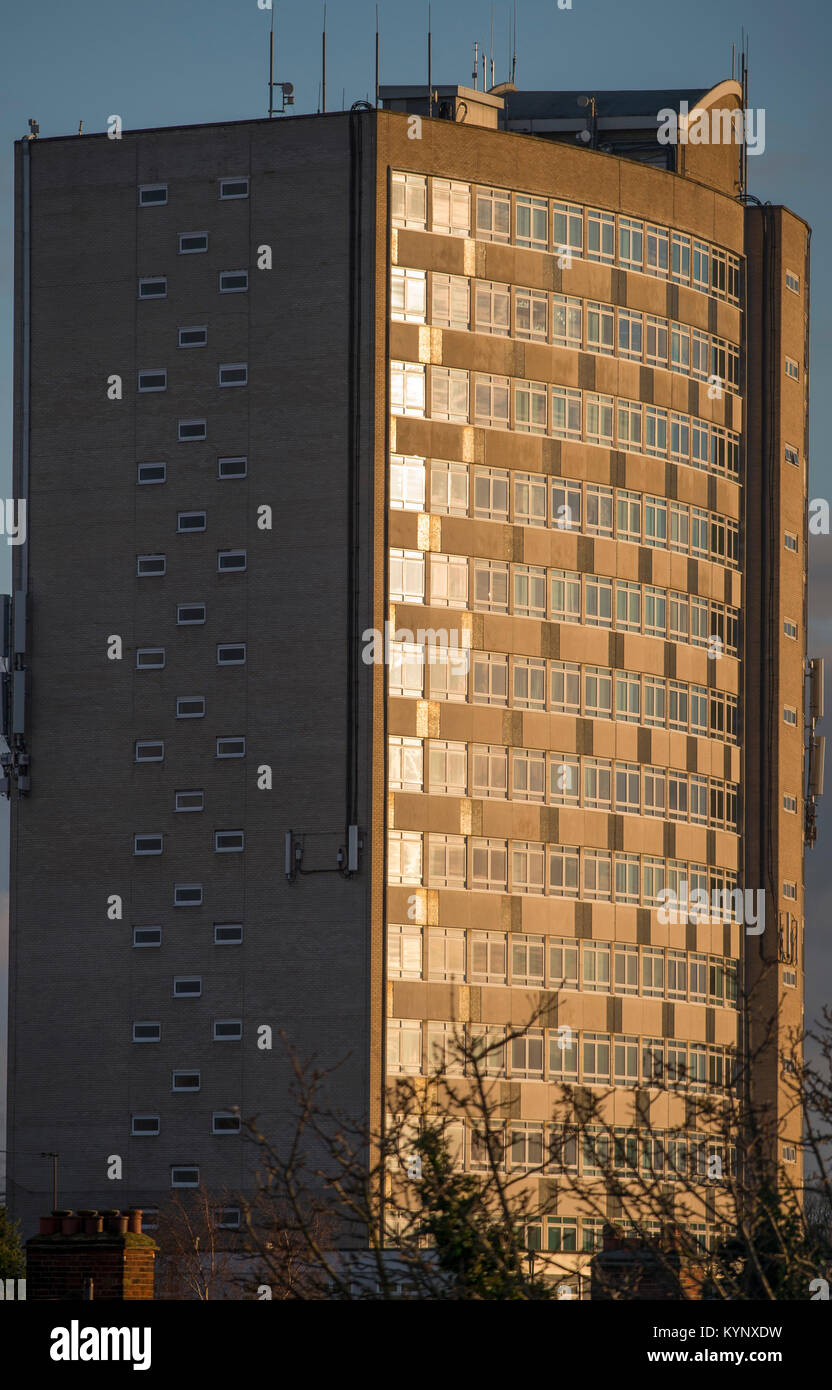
514	45
491	46
430	68
476	63
323	64
377	57
271	66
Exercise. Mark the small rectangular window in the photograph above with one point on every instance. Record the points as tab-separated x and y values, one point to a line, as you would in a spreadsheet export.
790	541
228	933
190	521
792	281
145	1124
184	1177
150	658
147	936
151	472
790	628
155	380
147	844
231	654
187	986
187	895
152	194
229	841
227	1218
189	801
189	613
192	429
150	565
790	803
792	455
185	1081
232	467
233	281
233	188
233	374
228	1029
225	1122
150	752
193	337
231	747
790	716
190	242
792	369
147	1032
153	287
190	706
231	560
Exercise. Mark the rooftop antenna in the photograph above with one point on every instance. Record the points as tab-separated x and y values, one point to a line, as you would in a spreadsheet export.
491	47
378	53
323	64
514	46
476	63
732	61
271	67
430	68
80	127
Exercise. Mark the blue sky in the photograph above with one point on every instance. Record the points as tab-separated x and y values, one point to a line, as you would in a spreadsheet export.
172	62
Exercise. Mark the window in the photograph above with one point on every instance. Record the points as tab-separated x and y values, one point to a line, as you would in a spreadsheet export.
404	856
527	872
566	412
597	601
628	510
451	207
448	487
597	874
147	1032
407	483
529	591
407	576
630	243
153	287
790	803
448	394
233	281
528	776
409	201
565	687
627	878
626	969
599	419
527	954
446	861
627	696
145	1124
792	281
655	611
596	1058
150	658
567	228
790	541
487	963
152	194
184	1177
150	752
679	348
790	891
792	455
188	614
232	374
566	505
489	864
792	369
404	952
150	565
597	783
531	222
231	747
408	295
489	770
407	673
565	596
530	498
655	521
630	334
790	715
448	674
446	954
492	308
192	430
600	327
491	400
187	895
228	933
156	380
655	341
233	188
526	1144
627	787
655	700
187	986
567	321
192	242
563	871
229	841
147	936
652	971
491	586
228	1029
447	764
185	1081
189	801
404	1045
230	560
527	1059
680	258
625	1062
225	1122
627	605
404	764
191	521
629	430
193	337
598	692
450	301
151	472
531	314
493	214
600	236
596	966
652	1061
701	266
657	258
232	467
147	844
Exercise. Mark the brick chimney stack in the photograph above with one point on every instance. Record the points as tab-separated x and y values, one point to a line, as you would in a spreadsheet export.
90	1254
